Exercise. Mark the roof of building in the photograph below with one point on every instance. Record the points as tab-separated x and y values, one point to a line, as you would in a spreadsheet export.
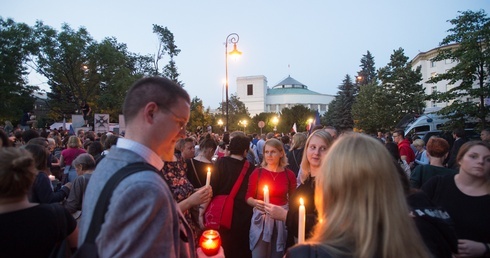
290	86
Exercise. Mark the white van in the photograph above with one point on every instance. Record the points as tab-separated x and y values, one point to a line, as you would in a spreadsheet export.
426	123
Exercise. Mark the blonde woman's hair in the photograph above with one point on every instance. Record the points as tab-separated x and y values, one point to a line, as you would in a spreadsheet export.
299	140
360	202
273	142
17	172
74	142
305	164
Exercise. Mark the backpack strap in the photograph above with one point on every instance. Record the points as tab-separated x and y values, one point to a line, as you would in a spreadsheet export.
106	194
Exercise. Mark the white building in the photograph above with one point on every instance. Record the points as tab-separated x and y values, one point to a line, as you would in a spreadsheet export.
430	69
258	97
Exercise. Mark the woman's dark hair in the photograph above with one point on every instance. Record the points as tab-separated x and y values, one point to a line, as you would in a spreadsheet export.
207	142
16	172
95	148
5	139
226	138
239	144
40	155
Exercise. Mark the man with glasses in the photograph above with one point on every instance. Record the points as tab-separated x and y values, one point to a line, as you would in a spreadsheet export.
143	220
404	149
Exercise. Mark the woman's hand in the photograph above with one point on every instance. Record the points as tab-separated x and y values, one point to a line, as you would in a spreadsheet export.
470	248
202	195
276	212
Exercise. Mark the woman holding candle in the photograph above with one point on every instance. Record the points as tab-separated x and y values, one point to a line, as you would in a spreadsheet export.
361	206
197	167
316	148
228	169
268	235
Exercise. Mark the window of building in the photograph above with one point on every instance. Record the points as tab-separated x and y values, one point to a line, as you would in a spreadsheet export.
434	89
432	63
250	89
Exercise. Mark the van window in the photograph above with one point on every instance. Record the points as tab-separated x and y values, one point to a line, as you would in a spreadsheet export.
423	128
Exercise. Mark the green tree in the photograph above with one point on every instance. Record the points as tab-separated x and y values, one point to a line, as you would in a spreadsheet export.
466	44
236	111
80	69
16	46
371	111
298	114
367	73
199	116
266	117
406	94
167	47
339	112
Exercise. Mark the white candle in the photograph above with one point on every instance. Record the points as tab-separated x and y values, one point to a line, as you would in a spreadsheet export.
51	177
208	177
301	222
266	194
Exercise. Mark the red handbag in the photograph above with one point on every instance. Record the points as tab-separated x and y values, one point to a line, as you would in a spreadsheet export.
220	210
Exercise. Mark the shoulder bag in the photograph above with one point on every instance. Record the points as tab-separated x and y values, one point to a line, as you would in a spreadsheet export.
220	210
89	247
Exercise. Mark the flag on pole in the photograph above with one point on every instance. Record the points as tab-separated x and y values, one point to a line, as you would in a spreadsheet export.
315	122
294	128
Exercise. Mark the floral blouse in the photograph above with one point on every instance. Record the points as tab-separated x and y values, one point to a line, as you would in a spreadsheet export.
174	174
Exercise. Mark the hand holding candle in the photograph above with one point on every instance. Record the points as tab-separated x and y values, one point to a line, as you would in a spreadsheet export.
301	222
208	176
266	194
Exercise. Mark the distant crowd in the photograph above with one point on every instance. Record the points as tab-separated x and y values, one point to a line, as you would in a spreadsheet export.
388	195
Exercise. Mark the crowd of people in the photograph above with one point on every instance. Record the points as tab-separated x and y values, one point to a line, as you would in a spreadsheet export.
388	195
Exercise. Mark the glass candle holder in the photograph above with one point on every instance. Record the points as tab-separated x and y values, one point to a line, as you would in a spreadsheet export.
210	242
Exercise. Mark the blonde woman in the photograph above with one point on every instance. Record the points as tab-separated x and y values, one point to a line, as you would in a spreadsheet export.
74	148
361	206
267	235
316	149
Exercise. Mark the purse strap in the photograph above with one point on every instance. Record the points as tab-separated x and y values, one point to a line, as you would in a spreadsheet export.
195	172
239	181
103	202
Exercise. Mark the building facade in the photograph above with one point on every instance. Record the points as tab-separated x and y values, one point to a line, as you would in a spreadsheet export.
430	69
258	97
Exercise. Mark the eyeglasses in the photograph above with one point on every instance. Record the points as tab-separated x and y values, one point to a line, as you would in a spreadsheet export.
394	135
183	125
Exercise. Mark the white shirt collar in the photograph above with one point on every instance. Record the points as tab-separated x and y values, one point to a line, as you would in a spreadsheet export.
150	156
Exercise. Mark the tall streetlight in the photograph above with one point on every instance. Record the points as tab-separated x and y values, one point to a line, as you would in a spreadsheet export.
232	38
244	123
275	121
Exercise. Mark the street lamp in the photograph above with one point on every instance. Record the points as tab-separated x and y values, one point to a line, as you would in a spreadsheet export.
232	38
244	123
220	123
275	121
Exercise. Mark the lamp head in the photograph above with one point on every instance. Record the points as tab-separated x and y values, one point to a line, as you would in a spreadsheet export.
235	51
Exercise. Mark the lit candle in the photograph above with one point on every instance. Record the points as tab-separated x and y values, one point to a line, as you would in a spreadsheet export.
208	176
301	222
210	242
51	177
266	194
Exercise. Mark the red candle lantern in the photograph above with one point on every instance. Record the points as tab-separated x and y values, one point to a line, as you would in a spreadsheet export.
210	242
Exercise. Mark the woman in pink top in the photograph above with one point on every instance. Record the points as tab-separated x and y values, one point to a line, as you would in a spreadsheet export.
74	148
267	235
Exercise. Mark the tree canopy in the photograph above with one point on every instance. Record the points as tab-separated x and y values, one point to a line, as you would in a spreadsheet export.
467	44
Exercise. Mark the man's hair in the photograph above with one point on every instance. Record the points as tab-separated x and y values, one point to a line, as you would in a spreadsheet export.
400	132
239	144
164	92
29	134
459	132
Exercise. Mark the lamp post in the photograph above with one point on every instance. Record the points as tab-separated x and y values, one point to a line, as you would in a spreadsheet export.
232	38
244	123
220	123
275	121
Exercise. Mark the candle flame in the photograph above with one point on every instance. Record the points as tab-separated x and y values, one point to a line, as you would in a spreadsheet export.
266	188
301	201
209	169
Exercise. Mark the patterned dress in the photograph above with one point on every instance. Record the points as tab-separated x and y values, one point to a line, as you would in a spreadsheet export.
174	173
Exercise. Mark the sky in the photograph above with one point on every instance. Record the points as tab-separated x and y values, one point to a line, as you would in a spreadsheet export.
317	42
